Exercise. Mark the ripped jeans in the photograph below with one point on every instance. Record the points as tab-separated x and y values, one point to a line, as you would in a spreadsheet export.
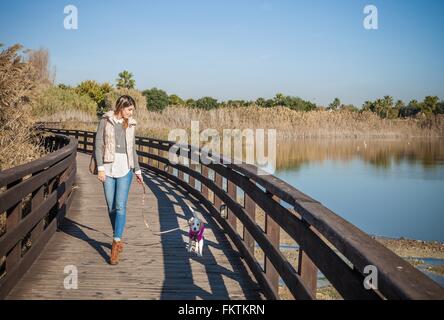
116	194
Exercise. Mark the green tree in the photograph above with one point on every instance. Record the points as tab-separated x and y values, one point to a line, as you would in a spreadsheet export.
367	106
125	80
63	86
269	103
387	107
399	105
430	105
260	102
335	104
156	99
175	100
382	107
190	103
412	109
95	91
206	103
349	107
294	103
440	108
279	99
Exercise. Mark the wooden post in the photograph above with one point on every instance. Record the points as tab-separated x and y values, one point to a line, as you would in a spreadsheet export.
308	271
192	180
63	197
85	140
211	194
250	207
14	216
180	175
204	188
76	134
37	199
272	231
139	148
231	188
218	182
149	160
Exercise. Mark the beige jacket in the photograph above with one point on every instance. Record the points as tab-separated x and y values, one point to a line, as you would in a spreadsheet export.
109	139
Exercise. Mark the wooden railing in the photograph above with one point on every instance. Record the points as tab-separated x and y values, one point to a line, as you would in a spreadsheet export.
328	243
35	197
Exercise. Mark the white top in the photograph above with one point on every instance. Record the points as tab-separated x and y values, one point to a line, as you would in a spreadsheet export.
119	167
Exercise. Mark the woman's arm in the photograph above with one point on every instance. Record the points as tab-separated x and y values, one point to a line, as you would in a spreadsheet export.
136	157
98	147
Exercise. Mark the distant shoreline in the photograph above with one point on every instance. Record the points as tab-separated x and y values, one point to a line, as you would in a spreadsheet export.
413	248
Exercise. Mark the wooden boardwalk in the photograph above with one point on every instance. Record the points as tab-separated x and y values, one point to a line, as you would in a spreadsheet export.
151	266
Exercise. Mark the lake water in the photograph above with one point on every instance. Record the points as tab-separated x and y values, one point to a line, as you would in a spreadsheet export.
392	188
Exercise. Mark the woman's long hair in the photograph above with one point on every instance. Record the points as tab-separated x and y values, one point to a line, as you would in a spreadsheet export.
124	102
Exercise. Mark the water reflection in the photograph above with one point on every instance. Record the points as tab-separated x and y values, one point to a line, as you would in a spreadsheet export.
380	153
389	187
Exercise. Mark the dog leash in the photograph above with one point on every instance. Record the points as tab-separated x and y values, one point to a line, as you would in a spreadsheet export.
147	225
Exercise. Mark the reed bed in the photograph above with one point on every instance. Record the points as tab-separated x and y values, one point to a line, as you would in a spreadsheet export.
288	123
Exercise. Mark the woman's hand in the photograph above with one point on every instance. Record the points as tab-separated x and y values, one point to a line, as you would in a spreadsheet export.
139	178
101	176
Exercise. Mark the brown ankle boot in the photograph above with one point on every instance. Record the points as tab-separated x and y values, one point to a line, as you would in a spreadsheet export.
114	259
120	246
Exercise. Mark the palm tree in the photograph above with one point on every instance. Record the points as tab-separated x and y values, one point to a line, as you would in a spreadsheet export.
335	104
125	80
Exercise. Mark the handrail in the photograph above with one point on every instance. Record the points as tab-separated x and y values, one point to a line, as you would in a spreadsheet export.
340	250
36	197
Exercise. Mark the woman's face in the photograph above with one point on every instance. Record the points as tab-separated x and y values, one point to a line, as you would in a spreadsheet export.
127	112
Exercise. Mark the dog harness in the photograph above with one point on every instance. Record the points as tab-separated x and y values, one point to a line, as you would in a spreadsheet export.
197	236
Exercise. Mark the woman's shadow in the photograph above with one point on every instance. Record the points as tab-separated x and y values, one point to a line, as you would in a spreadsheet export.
75	229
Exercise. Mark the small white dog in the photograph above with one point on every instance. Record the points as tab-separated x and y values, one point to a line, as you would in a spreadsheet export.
195	234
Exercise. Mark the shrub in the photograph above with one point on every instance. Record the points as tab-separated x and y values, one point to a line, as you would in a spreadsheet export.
95	91
294	103
156	99
206	103
55	100
175	100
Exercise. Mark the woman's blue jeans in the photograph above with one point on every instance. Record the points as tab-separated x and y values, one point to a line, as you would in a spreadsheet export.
116	194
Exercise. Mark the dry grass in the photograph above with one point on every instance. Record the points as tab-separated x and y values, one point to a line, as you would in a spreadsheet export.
414	248
324	293
437	269
18	86
290	123
69	117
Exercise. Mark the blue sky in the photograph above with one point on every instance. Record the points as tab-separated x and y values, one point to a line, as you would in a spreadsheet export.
227	49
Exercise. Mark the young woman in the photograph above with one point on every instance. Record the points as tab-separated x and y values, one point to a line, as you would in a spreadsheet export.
115	153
